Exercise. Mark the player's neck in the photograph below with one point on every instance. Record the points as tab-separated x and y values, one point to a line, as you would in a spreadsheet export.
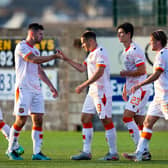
93	47
159	48
127	43
30	41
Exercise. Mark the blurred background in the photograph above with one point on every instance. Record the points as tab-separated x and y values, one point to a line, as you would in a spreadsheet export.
64	21
92	13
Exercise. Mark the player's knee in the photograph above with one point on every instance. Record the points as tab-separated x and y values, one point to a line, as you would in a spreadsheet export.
20	121
85	118
37	123
37	120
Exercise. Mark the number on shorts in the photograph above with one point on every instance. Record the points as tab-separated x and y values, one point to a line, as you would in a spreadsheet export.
135	100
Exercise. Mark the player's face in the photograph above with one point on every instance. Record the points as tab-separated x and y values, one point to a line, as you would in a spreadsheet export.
153	43
38	36
122	36
85	44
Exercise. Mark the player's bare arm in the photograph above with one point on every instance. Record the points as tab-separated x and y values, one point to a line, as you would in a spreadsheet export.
99	72
124	93
141	70
46	80
41	59
77	66
150	79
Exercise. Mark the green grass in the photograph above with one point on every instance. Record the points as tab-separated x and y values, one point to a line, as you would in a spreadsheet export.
61	145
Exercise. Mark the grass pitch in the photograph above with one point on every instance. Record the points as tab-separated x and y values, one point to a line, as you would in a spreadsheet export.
61	145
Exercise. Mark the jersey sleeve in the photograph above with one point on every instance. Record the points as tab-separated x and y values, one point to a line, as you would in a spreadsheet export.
139	59
85	62
100	61
24	51
160	63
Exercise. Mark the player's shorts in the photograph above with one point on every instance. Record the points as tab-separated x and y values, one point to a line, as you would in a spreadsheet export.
1	116
101	106
158	109
27	102
137	101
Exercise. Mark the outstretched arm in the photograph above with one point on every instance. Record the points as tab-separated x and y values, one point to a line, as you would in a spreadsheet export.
141	70
77	66
46	80
41	59
150	79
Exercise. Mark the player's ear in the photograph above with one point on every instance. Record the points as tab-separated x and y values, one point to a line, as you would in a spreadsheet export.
129	33
31	33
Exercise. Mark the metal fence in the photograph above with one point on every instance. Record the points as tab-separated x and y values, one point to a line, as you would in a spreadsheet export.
140	12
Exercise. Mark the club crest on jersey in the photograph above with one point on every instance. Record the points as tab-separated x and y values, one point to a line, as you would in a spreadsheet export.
21	110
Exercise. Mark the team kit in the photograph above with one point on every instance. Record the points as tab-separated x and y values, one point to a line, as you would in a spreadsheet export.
98	101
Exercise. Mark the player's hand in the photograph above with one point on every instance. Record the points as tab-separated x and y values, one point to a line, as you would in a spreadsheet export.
79	89
54	92
134	88
61	55
58	54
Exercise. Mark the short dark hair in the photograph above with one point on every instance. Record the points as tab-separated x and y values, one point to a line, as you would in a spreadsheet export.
161	36
35	27
127	27
89	35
